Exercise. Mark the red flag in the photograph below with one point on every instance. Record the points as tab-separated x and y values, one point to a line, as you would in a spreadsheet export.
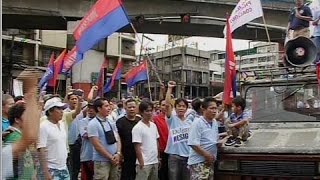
318	72
229	91
57	68
100	80
69	60
51	61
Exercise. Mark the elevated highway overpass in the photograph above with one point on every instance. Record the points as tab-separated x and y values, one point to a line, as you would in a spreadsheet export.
161	16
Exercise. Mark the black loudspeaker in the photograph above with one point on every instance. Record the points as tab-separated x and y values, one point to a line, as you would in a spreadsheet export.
300	52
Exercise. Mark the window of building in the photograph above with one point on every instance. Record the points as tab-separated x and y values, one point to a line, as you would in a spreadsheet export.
176	75
46	54
176	59
184	76
204	78
273	48
261	50
269	58
191	59
188	77
204	61
159	63
269	49
221	56
196	77
262	59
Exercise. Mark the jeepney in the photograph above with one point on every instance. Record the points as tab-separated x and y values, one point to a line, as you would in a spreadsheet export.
285	128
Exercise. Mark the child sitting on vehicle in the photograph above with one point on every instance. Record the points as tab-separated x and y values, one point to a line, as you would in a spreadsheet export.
237	123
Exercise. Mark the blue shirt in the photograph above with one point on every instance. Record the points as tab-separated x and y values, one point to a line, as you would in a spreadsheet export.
296	23
206	136
193	114
178	136
244	116
5	124
86	148
95	130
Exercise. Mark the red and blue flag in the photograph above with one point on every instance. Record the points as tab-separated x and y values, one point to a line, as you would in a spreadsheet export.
58	64
137	74
69	60
103	19
229	91
48	74
101	75
115	76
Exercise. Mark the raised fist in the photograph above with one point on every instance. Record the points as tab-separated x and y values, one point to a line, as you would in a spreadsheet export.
29	77
172	84
69	89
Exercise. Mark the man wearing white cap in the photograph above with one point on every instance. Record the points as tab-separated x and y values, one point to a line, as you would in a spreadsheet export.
53	141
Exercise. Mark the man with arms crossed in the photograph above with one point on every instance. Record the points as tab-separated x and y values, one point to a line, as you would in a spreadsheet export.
104	137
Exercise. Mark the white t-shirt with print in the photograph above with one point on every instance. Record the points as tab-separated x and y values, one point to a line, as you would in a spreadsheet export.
148	137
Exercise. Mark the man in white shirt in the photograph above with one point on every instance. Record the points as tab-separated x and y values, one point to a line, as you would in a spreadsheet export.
53	142
145	138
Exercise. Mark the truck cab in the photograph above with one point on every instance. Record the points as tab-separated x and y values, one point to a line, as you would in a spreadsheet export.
285	128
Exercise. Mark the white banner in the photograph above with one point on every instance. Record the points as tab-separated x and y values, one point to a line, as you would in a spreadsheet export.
244	12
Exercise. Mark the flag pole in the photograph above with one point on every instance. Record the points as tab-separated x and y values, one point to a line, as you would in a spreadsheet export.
148	57
119	60
54	87
104	69
141	47
149	87
266	28
57	86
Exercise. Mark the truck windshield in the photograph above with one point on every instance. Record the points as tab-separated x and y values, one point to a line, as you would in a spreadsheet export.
299	103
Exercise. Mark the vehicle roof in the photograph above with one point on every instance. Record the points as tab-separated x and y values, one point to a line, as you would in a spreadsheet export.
279	138
279	76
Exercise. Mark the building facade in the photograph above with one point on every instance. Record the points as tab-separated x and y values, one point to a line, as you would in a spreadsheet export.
261	56
187	66
25	48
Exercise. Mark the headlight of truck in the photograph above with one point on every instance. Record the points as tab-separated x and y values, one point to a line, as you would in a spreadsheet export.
228	165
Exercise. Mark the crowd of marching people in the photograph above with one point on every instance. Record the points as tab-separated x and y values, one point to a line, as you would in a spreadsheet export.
47	137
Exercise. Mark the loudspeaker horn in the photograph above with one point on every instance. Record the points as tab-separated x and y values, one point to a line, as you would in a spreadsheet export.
300	52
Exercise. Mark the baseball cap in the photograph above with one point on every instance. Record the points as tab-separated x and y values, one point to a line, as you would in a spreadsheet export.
53	102
219	97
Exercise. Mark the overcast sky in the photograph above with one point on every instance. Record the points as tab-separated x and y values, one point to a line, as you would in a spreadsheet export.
204	43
